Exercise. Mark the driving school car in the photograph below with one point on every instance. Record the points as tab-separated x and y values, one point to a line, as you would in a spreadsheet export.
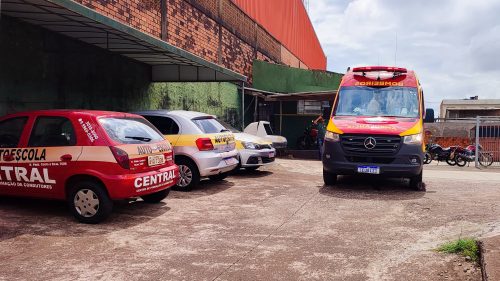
203	147
88	158
253	151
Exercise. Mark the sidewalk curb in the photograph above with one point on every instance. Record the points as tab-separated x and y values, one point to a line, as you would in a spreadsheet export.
482	263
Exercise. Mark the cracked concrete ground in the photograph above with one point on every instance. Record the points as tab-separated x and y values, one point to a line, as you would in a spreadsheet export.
279	223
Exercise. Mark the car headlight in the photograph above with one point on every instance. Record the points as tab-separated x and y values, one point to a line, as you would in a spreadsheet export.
332	136
249	145
413	139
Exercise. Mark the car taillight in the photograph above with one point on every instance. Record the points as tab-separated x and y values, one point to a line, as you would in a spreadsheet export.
121	157
204	144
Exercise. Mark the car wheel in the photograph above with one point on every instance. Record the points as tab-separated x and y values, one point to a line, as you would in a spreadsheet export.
416	183
156	197
189	176
218	177
329	178
89	202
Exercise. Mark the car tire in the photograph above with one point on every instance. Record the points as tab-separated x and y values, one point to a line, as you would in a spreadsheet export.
218	177
156	197
189	175
416	183
329	178
89	202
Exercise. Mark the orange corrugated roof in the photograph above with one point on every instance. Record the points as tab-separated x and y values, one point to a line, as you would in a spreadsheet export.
288	21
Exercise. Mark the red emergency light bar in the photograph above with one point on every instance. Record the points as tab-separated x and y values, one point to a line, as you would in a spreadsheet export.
380	68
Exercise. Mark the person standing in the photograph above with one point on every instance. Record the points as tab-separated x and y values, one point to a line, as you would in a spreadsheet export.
321	127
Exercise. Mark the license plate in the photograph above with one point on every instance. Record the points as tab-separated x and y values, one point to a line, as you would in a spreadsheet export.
271	154
154	160
369	170
231	161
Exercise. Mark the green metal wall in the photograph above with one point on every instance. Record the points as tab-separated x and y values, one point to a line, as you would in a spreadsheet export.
284	79
40	69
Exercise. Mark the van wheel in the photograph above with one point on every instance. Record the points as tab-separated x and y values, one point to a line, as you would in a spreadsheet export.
416	183
156	197
329	178
218	177
89	202
189	176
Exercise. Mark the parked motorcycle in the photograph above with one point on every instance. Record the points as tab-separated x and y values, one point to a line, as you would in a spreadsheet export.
436	152
309	139
466	155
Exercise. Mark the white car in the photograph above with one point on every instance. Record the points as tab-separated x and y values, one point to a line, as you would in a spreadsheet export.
203	147
263	129
253	151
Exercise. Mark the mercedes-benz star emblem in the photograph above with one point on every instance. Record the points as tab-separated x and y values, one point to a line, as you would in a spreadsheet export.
370	143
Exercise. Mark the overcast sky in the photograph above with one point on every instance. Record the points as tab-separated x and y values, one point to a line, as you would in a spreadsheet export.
453	45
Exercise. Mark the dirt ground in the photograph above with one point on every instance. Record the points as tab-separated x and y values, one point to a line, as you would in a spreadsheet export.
279	223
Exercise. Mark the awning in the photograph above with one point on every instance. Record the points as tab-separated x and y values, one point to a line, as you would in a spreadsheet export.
274	96
168	63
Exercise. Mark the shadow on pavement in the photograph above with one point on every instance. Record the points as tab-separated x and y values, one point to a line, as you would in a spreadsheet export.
371	188
205	188
251	174
20	216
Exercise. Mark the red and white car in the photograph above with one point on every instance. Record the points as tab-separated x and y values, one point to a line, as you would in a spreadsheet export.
88	158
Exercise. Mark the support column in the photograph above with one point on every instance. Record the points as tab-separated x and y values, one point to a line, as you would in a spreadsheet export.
164	29
242	106
256	108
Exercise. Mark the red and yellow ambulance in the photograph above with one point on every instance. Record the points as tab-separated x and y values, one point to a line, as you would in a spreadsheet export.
376	126
88	158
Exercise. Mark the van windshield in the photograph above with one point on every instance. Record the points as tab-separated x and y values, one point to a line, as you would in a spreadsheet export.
370	101
130	130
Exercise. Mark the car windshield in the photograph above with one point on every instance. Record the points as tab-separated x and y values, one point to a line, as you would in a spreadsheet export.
229	127
130	130
370	101
209	125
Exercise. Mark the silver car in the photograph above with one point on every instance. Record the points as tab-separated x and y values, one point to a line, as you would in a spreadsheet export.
203	147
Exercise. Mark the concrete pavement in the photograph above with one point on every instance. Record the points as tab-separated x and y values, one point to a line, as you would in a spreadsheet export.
280	223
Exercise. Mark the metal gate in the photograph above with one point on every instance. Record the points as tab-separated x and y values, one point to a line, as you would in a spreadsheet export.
487	133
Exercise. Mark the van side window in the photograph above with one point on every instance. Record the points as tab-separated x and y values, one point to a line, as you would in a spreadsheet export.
11	131
52	131
166	125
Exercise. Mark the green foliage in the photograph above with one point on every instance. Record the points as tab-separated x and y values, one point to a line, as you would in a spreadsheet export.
462	246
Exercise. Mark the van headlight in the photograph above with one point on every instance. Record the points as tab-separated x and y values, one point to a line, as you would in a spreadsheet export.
329	136
413	139
249	145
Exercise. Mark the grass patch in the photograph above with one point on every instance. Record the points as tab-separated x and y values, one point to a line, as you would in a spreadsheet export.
462	246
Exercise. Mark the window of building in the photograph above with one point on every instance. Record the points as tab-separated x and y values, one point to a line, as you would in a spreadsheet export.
311	107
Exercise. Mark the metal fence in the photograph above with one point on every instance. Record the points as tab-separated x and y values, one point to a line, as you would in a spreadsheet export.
487	141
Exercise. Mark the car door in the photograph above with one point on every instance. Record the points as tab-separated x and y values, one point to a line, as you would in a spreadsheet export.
11	132
53	142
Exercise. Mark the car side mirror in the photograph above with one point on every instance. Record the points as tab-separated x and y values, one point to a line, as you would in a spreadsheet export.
429	115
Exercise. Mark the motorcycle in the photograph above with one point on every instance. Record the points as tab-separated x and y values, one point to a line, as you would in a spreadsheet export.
309	138
436	152
466	155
